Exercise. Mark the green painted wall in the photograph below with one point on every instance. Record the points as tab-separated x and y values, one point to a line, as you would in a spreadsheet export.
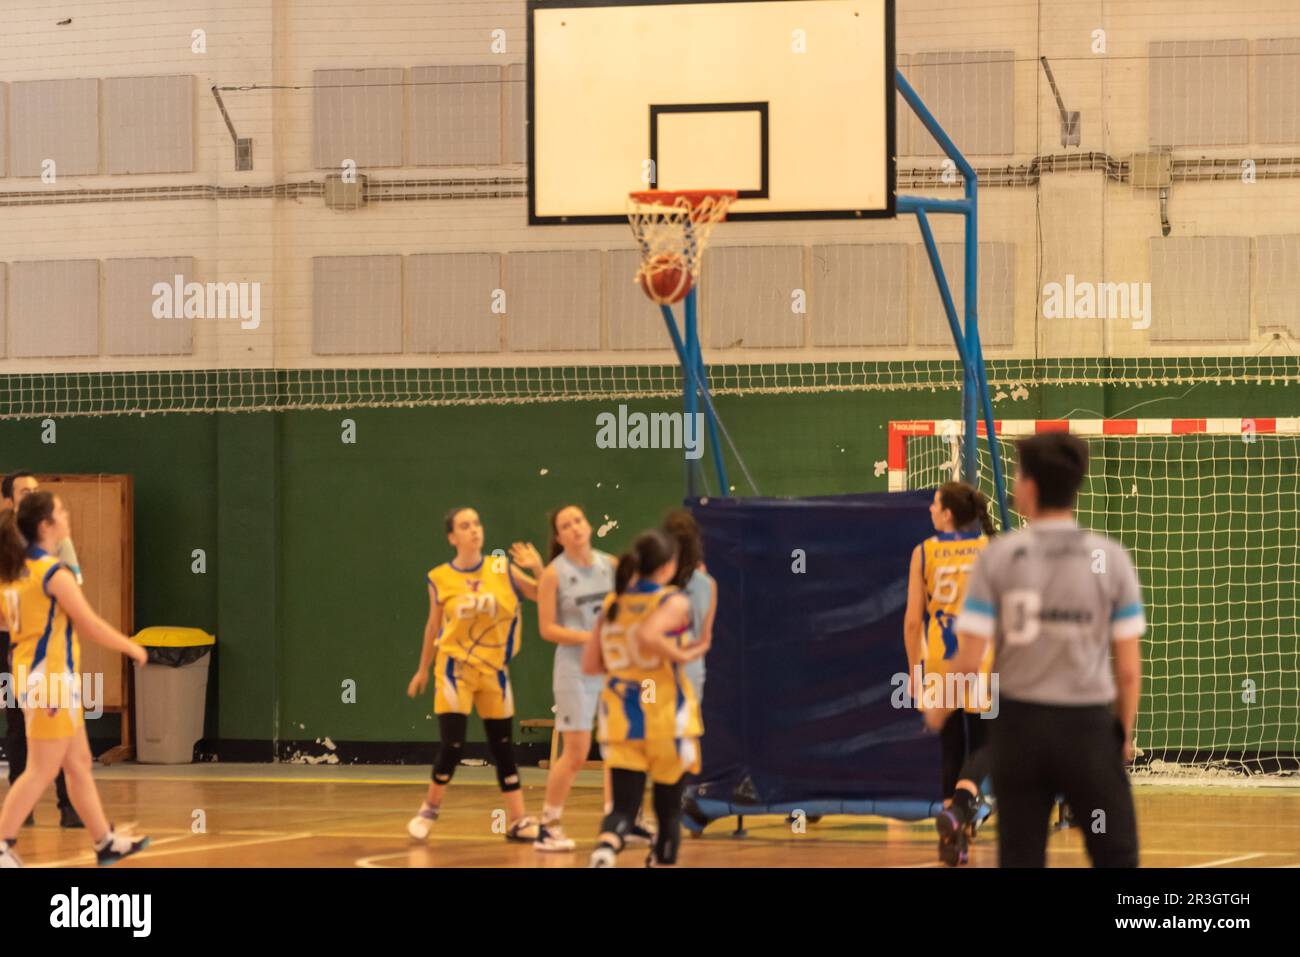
174	461
317	549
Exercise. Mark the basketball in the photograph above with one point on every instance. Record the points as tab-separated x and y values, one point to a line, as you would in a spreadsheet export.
665	278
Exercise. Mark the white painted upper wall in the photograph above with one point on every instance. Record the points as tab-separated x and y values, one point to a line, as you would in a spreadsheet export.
1077	224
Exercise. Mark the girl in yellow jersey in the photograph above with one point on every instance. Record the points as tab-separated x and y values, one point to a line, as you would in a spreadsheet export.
936	588
41	603
469	639
648	718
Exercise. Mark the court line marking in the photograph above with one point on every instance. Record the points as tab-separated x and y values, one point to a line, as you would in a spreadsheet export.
423	779
1233	860
194	850
88	857
231	844
272	837
197	779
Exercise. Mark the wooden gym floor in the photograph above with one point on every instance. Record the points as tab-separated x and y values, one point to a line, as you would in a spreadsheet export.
297	816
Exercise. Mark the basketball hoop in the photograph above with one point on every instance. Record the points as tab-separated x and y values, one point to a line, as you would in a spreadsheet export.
672	228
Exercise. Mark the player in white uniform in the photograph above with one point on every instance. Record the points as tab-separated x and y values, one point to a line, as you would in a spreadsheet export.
571	592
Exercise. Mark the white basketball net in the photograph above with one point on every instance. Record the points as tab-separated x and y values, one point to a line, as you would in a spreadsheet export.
674	229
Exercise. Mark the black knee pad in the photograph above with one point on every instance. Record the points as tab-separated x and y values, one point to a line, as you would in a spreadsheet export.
503	752
452	728
668	812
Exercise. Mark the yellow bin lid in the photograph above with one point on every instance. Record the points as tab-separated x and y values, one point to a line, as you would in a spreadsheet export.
166	636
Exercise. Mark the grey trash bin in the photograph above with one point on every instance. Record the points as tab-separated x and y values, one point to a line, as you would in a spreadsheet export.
171	694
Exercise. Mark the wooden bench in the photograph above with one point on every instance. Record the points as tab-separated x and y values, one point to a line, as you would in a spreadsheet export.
535	724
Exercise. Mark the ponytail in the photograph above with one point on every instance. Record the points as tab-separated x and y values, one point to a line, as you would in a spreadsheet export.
622	578
13	549
982	513
969	507
681	525
651	551
20	528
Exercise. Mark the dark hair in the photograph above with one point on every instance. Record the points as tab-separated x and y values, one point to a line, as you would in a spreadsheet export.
450	518
1057	462
652	550
681	525
7	484
21	528
556	547
969	507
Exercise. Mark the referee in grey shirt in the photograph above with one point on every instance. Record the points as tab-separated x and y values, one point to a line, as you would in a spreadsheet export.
1063	608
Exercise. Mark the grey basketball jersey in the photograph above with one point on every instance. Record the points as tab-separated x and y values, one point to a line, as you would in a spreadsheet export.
581	591
1053	597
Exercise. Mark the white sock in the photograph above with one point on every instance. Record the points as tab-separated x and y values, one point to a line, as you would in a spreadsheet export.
551	813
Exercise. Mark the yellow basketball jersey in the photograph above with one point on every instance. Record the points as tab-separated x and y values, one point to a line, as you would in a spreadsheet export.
40	634
946	561
480	612
644	699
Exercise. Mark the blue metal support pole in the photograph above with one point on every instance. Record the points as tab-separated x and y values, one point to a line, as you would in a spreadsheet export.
678	346
692	405
949	308
971	302
702	380
910	204
684	358
711	414
975	390
932	125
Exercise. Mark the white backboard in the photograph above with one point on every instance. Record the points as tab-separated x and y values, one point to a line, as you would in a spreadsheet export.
790	102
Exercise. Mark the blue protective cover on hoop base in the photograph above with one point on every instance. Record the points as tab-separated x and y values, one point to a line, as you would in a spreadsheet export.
797	698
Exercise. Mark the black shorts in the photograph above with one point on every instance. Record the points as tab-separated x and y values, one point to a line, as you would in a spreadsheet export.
1041	751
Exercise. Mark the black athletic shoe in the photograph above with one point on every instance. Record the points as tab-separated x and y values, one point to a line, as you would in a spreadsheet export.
639	835
116	848
952	837
693	818
68	817
526	830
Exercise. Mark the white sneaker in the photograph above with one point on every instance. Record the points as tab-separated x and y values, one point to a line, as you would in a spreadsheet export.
420	825
553	838
602	857
9	858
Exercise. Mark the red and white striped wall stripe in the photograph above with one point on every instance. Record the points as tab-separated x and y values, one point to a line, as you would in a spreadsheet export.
901	431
